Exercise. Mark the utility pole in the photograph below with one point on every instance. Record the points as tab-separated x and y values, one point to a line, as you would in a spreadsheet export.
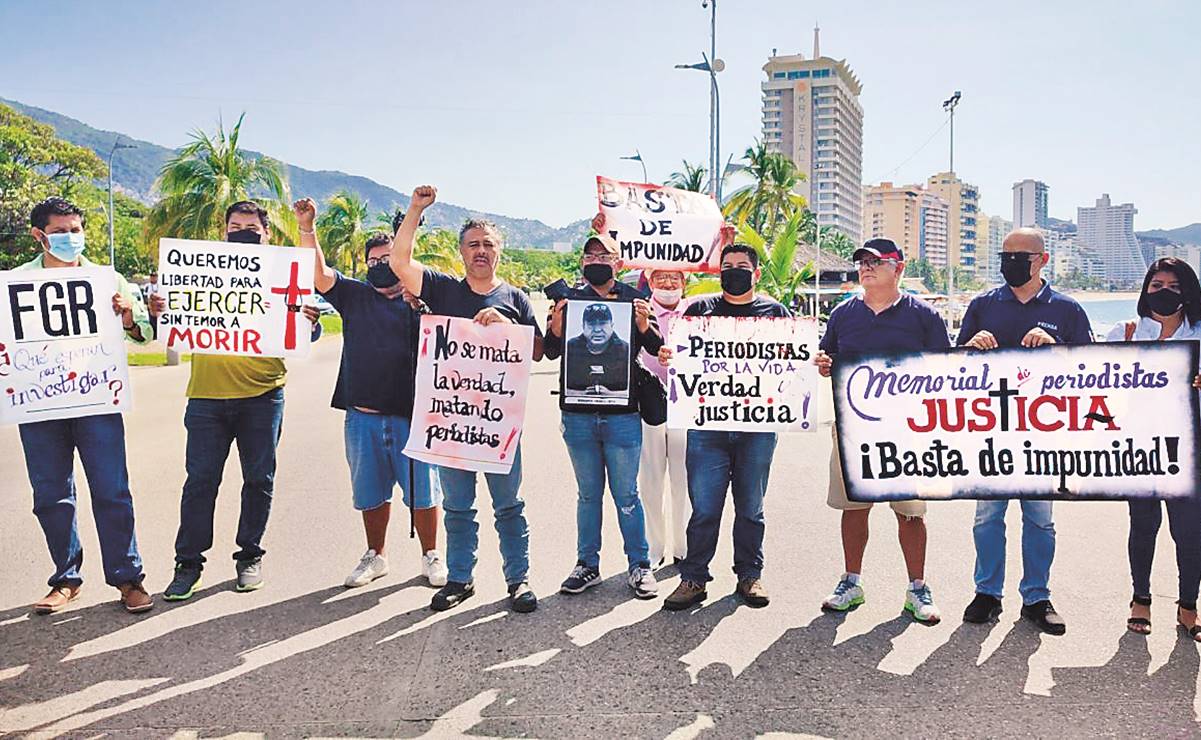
949	105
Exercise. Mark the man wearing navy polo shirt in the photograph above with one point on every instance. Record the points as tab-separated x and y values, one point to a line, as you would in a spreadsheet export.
1024	312
881	320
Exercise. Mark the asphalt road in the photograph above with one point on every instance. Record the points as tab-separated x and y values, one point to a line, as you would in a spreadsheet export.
304	657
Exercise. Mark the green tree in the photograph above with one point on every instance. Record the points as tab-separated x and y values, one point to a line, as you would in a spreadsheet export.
692	177
342	231
35	164
439	249
768	203
780	277
207	176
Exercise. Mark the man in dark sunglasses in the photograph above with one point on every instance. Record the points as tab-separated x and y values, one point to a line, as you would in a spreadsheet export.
1024	312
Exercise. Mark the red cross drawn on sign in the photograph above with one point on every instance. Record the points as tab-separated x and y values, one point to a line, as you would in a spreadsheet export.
292	294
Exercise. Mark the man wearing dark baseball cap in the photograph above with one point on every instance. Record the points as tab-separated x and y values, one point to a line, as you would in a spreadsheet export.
881	320
596	357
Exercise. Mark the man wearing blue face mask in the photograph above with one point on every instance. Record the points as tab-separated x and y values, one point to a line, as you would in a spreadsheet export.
230	399
375	389
50	446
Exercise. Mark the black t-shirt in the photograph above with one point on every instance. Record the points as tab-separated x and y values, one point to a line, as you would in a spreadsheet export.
716	305
379	349
447	295
609	368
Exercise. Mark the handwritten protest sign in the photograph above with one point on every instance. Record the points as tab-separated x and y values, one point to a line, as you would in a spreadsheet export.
62	348
742	374
657	226
234	299
1091	421
472	382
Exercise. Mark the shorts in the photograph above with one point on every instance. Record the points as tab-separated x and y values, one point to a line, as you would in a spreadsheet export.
836	498
374	451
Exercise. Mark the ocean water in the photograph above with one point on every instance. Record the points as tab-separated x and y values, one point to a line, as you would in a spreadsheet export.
1103	314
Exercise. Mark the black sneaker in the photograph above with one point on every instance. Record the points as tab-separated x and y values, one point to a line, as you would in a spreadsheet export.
582	577
522	599
250	574
451	595
1045	617
983	609
184	584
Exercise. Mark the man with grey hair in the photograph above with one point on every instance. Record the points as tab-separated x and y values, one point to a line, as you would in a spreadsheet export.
1024	312
482	296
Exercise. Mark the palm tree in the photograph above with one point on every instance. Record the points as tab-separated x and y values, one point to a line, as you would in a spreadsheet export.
770	202
439	249
691	178
342	230
206	177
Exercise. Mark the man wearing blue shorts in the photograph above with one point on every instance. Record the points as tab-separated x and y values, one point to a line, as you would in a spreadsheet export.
375	387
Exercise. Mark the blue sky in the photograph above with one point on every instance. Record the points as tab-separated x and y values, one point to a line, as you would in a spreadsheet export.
514	107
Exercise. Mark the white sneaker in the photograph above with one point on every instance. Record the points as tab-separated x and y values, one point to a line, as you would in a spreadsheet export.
642	580
920	603
371	566
847	595
433	567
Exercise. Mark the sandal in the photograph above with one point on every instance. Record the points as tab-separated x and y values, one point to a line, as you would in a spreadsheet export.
1139	625
1195	631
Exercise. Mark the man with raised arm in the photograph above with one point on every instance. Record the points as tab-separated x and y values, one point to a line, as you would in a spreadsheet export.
375	389
486	298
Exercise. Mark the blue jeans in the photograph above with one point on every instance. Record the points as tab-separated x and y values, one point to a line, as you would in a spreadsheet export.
1038	548
375	452
213	425
612	444
717	462
462	530
50	459
1184	523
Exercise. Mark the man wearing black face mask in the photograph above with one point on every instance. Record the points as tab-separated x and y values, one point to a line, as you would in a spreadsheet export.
375	389
717	462
1024	312
607	442
230	399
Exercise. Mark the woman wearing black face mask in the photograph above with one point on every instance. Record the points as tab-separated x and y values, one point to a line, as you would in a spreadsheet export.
1169	308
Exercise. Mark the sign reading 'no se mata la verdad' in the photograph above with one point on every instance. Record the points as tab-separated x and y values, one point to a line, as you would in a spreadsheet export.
472	383
742	374
62	348
235	299
1088	421
657	226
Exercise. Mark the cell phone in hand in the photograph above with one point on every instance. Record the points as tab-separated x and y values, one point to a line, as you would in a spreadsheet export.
557	290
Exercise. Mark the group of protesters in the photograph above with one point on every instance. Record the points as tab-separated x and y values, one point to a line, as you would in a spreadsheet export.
669	486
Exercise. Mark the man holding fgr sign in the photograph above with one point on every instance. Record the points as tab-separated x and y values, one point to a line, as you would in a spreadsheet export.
657	226
65	311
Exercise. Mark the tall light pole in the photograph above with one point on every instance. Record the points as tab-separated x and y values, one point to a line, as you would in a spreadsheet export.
637	157
712	65
112	259
949	105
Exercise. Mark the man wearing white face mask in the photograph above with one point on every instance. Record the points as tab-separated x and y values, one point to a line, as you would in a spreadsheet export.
50	446
667	511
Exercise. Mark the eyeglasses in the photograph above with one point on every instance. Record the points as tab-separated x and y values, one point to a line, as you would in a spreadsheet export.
374	261
872	263
602	257
1019	256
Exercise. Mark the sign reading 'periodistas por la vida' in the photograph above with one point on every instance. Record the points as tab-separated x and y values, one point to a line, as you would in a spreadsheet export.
471	387
657	226
1065	422
62	348
234	299
742	374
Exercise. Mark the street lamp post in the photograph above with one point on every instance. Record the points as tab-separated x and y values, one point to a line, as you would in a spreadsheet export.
112	259
712	65
637	157
949	105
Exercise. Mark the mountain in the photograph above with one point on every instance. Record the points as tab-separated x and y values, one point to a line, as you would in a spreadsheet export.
1190	234
135	170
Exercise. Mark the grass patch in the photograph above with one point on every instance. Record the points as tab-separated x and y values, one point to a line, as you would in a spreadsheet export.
331	323
151	359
